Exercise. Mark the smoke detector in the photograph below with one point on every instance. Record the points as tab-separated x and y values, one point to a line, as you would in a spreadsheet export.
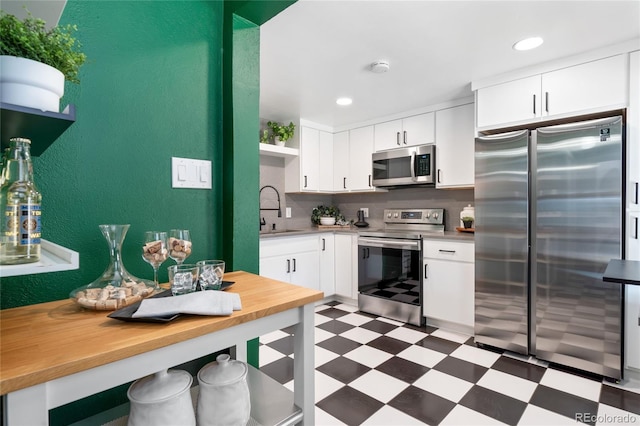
379	67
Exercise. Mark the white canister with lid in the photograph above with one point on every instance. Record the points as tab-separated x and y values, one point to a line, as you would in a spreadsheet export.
468	211
224	393
163	398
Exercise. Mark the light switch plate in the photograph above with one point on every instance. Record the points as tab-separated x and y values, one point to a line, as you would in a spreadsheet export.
366	211
190	173
287	213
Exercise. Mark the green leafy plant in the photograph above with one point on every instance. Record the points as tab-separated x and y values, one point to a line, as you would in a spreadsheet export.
264	138
30	39
327	211
283	132
467	219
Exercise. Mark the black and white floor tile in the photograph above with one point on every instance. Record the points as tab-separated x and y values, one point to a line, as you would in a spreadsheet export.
375	371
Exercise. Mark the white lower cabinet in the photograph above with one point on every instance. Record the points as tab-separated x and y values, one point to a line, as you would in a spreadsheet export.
449	284
291	259
346	266
327	263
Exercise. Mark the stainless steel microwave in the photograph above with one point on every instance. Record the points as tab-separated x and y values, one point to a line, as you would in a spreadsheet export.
404	166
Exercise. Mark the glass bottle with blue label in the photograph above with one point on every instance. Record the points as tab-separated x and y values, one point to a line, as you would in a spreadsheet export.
20	225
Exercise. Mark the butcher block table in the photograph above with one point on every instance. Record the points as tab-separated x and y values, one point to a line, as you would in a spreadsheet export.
58	352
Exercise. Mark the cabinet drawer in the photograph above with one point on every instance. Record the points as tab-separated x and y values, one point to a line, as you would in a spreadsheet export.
288	245
449	250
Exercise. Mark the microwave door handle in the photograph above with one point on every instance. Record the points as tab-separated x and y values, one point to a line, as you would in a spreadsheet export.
413	166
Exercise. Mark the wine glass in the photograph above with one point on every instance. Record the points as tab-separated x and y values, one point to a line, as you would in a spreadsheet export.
154	251
179	245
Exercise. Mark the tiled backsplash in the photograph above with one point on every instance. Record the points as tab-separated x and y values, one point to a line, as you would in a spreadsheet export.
272	173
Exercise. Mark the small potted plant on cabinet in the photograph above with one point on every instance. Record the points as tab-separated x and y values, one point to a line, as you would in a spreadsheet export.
281	133
29	51
467	221
326	215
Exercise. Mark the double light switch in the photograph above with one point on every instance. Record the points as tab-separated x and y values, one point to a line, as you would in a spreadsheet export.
190	173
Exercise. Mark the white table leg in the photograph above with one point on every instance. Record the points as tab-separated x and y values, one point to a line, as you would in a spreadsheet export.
303	364
26	407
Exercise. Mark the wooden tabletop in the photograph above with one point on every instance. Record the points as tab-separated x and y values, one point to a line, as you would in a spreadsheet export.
46	341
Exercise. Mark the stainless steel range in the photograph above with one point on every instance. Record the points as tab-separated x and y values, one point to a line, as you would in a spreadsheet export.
389	264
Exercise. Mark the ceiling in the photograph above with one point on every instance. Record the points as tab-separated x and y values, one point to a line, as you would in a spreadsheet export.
318	50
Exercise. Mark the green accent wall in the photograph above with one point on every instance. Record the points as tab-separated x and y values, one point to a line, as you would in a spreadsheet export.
163	79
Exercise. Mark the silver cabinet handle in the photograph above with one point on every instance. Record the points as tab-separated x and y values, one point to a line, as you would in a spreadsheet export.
439	176
398	138
344	182
404	137
534	104
294	265
636	194
446	251
425	271
288	266
305	181
324	247
369	181
635	237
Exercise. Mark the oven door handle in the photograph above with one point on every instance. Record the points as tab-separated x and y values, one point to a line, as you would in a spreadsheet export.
389	243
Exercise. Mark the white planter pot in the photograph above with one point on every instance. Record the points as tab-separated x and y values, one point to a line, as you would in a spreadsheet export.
277	141
30	84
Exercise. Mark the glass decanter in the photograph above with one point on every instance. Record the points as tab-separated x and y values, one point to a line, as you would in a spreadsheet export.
115	288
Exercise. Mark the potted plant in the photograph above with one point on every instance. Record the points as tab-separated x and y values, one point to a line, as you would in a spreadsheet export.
281	133
467	221
31	53
328	213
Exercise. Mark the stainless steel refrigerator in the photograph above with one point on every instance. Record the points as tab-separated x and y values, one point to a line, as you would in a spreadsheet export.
548	218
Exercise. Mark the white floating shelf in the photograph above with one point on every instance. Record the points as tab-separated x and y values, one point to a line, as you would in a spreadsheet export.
53	258
278	151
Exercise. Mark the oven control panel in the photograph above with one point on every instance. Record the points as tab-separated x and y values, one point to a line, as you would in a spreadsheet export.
414	216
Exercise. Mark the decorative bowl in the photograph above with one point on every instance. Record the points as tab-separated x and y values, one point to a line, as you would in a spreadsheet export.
327	220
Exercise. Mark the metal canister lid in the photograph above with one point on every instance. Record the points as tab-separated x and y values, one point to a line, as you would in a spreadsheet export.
24	140
223	371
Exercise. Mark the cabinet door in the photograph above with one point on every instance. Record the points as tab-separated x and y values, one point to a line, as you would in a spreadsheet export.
596	84
341	161
344	284
418	130
449	291
327	263
309	155
305	269
325	161
633	134
360	150
455	145
276	267
388	135
513	101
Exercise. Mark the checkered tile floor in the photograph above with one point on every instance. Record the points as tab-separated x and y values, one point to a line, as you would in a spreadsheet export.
375	371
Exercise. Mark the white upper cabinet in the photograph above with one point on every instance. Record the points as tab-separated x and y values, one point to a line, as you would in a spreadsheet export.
325	161
312	170
455	147
360	150
309	158
340	161
590	87
508	102
410	131
633	135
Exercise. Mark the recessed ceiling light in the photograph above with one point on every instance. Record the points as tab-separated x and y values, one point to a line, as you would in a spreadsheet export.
344	101
528	43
